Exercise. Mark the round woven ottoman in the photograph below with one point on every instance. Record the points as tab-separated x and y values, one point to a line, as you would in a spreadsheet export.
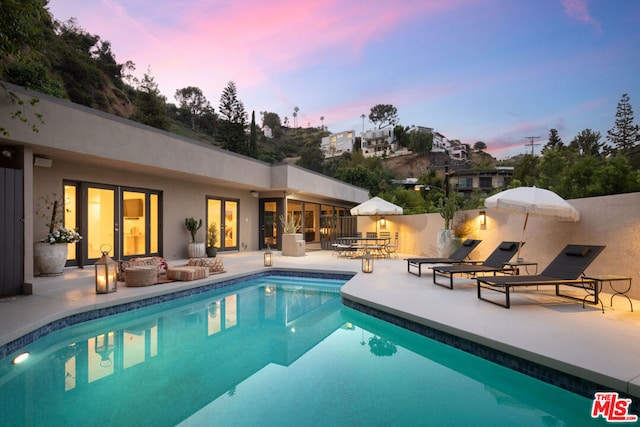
141	276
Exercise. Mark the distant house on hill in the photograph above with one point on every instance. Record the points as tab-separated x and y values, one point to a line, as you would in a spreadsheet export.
337	144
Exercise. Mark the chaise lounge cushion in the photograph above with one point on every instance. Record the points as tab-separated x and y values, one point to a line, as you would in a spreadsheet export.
215	264
187	273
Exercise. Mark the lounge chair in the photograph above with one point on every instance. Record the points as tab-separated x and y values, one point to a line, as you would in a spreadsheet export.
496	262
456	257
565	269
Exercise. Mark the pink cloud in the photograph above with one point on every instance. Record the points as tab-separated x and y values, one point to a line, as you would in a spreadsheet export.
578	10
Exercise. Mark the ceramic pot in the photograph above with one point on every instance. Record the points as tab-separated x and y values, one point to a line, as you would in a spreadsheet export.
197	250
445	243
49	259
212	251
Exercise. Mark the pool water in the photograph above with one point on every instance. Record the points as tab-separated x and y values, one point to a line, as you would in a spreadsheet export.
278	351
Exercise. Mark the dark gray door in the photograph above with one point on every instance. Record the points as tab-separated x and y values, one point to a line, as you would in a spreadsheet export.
12	231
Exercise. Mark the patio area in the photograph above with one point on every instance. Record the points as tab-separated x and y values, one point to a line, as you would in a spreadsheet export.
540	327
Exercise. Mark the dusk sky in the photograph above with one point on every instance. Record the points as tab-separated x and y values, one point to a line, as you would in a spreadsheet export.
496	71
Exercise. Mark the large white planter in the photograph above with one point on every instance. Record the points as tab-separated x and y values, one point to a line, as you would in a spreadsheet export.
197	250
445	243
293	244
49	259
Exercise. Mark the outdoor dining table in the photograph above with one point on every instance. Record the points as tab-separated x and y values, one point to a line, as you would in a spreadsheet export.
361	245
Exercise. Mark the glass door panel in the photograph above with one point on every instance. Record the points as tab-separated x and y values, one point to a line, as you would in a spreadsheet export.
71	216
269	224
214	218
100	221
154	223
134	230
230	224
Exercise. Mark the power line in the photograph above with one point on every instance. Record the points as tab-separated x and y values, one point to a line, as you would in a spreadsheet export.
531	139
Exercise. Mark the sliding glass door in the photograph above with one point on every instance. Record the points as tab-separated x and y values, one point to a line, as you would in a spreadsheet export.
125	222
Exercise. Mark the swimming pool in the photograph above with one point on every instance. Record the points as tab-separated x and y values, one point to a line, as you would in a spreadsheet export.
271	351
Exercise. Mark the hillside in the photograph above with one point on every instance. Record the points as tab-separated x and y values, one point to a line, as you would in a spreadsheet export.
416	165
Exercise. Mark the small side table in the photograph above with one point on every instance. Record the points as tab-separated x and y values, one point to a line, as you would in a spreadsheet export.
612	278
515	266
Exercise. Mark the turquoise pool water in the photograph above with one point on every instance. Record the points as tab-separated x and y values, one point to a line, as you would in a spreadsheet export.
278	351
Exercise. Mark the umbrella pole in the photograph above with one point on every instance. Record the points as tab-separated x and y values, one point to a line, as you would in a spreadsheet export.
526	218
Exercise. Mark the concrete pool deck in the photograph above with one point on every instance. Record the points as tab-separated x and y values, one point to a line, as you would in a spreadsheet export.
539	327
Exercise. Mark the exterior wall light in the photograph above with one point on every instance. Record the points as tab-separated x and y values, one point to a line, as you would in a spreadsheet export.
483	218
255	194
367	263
268	259
106	271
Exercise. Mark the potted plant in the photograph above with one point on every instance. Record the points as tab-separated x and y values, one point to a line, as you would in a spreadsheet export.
196	250
50	253
292	240
447	208
212	238
462	227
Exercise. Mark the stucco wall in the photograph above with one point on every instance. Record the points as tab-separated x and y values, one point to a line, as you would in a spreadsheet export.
613	221
180	199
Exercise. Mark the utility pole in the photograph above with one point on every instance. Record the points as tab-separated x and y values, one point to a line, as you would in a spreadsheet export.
531	139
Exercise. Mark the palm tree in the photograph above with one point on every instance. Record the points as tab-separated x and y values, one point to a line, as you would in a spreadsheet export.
295	116
322	121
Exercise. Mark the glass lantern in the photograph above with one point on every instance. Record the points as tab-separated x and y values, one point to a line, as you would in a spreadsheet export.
268	259
367	263
106	272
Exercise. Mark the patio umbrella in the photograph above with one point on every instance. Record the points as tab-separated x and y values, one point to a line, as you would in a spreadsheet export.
533	201
378	207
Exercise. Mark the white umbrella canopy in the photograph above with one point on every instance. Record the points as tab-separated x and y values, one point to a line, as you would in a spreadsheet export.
376	206
533	201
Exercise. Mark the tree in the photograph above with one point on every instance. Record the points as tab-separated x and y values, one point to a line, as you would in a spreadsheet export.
272	120
420	142
587	143
252	148
295	116
479	146
625	134
322	123
617	176
383	115
192	105
552	167
526	171
25	25
150	104
233	121
106	61
311	157
554	142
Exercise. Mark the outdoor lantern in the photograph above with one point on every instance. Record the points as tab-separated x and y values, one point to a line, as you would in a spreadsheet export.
483	218
106	273
383	222
367	263
268	260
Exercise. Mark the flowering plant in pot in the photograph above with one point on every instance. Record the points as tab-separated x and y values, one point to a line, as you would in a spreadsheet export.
50	253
